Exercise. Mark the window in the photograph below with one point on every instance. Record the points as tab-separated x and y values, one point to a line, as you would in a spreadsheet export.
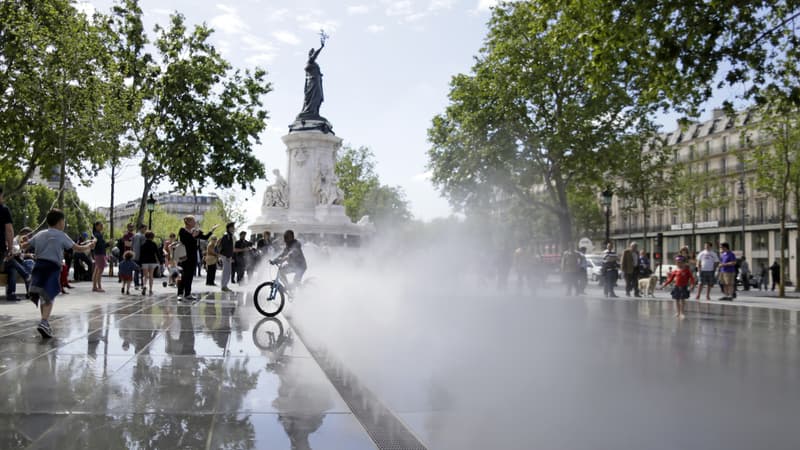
724	143
705	215
723	166
674	219
705	167
659	219
691	153
761	210
723	215
760	240
708	148
675	156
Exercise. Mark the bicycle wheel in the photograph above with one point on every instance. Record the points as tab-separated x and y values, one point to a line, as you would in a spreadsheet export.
267	306
268	333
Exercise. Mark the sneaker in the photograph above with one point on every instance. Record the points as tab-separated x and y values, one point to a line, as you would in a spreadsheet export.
122	290
164	283
44	329
226	289
144	291
190	298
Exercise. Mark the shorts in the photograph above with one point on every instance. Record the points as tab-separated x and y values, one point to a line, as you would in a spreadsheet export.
150	266
680	293
707	277
100	262
726	278
126	277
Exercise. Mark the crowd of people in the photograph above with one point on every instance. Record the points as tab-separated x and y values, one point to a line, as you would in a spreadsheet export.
701	271
45	258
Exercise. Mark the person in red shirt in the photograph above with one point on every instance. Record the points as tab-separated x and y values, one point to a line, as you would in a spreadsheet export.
682	276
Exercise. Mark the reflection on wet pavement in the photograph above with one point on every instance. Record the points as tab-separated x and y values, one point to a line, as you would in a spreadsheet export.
155	374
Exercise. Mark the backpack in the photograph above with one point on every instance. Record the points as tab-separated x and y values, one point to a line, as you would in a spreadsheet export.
179	253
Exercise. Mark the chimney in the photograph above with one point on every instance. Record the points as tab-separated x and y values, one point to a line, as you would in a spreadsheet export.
717	113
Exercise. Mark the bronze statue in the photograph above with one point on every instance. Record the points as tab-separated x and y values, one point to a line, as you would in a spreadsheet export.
313	87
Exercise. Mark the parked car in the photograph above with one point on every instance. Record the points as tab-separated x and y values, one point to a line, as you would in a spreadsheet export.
594	268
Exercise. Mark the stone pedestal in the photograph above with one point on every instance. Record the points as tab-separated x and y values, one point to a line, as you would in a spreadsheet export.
314	207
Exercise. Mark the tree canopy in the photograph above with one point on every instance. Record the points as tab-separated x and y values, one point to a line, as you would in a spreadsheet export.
196	118
363	192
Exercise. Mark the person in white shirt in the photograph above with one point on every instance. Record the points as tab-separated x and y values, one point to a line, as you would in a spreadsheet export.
707	262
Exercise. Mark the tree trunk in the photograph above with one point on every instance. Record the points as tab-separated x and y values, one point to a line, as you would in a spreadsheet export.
797	241
111	212
148	184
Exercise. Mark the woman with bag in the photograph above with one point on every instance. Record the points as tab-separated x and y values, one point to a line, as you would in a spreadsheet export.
211	259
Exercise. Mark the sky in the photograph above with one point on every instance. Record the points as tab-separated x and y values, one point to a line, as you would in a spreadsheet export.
386	72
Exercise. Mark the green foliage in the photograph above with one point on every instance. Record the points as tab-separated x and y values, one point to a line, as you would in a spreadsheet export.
164	223
196	119
531	113
776	158
364	194
57	107
672	51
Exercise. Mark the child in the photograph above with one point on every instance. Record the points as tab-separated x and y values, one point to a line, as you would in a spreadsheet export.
682	275
174	273
49	246
126	269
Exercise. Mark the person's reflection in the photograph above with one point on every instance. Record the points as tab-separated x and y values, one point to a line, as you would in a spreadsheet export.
96	334
180	339
302	401
217	319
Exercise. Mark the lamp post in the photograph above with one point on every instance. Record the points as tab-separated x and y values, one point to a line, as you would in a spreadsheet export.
607	194
151	206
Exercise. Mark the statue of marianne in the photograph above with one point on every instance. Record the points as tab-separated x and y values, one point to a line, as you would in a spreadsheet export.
313	88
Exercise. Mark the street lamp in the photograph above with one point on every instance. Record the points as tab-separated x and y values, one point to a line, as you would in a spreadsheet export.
607	194
151	206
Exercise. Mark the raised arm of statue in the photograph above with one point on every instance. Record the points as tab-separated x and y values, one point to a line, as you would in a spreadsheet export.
312	55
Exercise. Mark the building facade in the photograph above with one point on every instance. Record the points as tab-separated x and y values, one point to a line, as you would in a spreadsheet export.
747	219
172	203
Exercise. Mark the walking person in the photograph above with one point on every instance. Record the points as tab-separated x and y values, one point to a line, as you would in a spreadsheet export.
630	268
211	259
644	265
727	270
7	249
100	257
149	261
610	268
569	271
744	269
707	262
138	240
126	270
775	271
763	280
49	246
188	236
226	252
682	277
583	277
241	256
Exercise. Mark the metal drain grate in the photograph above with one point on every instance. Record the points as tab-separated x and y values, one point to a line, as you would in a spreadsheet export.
382	426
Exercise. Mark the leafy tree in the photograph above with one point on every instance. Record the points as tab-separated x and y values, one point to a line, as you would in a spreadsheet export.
672	51
197	118
56	110
531	115
364	194
643	160
775	159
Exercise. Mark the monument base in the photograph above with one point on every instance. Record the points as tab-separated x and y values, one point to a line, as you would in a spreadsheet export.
312	184
317	123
